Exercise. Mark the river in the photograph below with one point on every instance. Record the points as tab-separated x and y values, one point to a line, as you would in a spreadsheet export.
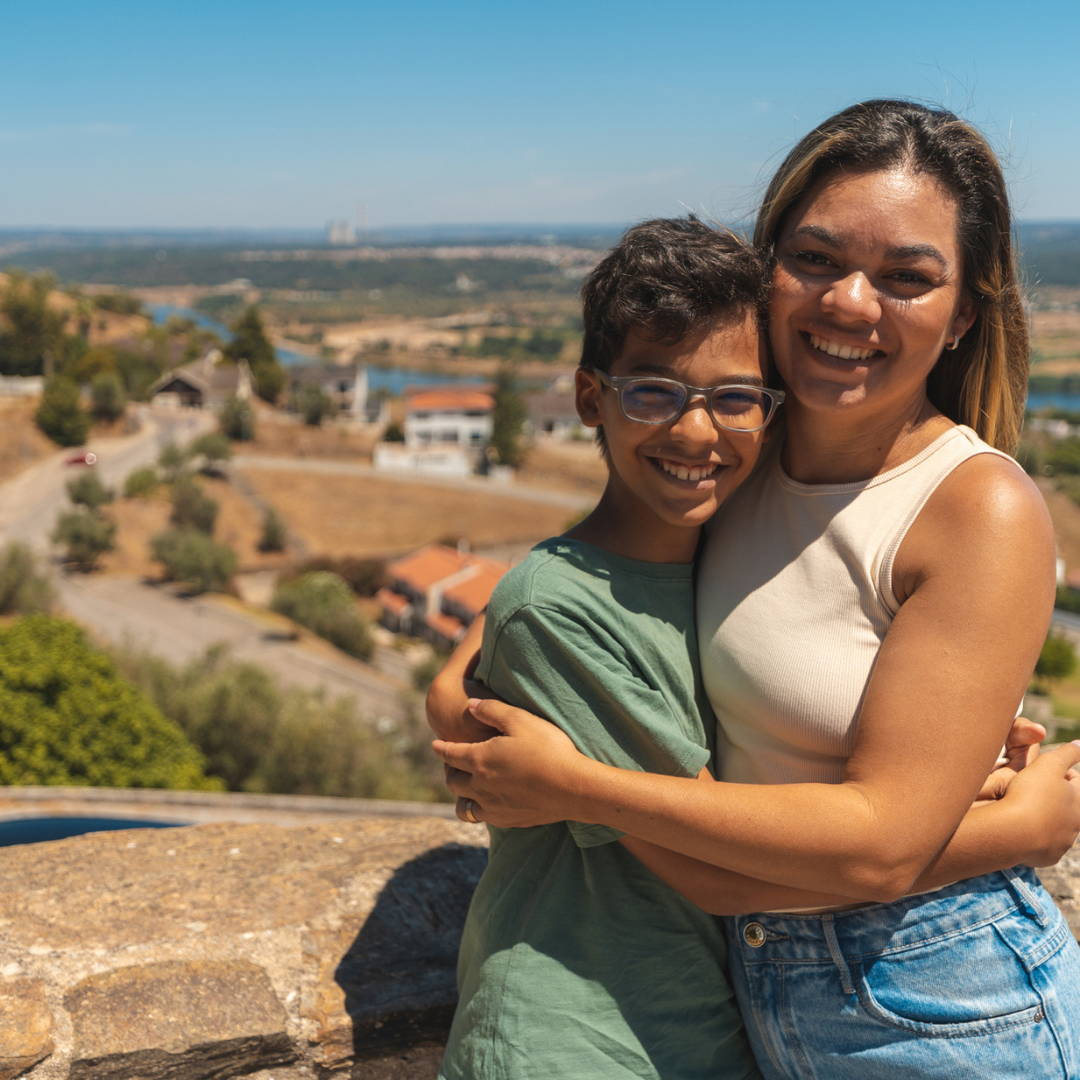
391	380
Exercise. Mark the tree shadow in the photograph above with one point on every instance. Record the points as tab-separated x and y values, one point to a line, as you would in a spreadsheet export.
400	973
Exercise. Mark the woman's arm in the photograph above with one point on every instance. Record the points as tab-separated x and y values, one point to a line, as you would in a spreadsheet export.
976	574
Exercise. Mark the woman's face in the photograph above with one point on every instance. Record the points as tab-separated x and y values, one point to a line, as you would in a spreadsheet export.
867	291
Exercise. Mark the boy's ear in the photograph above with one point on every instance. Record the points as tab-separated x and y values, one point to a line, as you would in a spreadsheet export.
587	391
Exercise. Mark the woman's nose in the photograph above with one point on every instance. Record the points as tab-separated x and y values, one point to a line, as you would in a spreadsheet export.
853	297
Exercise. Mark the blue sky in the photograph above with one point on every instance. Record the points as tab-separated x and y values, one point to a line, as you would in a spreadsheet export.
238	114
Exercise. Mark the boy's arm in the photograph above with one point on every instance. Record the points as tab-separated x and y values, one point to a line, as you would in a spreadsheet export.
452	687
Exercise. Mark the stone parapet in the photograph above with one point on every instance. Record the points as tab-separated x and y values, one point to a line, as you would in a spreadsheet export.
228	949
279	952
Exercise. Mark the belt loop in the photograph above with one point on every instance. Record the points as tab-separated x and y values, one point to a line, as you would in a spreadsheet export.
838	957
1026	895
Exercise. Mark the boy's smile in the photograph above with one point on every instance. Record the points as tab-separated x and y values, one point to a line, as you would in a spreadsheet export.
666	480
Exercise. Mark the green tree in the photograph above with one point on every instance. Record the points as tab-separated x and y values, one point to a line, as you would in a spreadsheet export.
100	360
87	490
190	556
33	338
86	535
1064	458
313	404
171	460
507	420
393	433
108	400
323	602
250	343
192	508
214	449
24	585
274	534
141	482
1057	660
237	419
60	415
67	716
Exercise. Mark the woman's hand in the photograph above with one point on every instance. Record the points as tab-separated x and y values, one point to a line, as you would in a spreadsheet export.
1046	799
527	774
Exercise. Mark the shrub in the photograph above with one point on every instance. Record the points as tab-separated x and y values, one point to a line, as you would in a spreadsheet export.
313	404
24	586
141	482
172	459
87	490
261	737
107	396
192	508
393	432
364	576
190	556
60	416
1029	458
323	603
237	419
1057	659
67	716
86	535
1064	458
274	535
213	449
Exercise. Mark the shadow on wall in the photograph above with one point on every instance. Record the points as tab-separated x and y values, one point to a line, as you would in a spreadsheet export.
400	973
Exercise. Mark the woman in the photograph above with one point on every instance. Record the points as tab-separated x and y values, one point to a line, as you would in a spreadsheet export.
871	605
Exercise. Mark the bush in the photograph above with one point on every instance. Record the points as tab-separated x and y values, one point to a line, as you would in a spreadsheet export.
141	482
274	535
213	449
60	416
190	556
67	716
1057	659
1028	457
393	432
313	404
192	508
1064	458
24	586
364	576
87	490
107	396
86	535
172	459
323	603
121	303
261	737
237	419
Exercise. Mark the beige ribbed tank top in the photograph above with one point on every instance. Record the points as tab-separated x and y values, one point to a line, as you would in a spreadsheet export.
794	599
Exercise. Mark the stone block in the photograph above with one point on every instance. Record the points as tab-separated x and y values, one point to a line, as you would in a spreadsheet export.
25	1026
177	1020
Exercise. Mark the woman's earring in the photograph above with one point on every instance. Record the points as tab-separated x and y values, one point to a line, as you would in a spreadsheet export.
955	343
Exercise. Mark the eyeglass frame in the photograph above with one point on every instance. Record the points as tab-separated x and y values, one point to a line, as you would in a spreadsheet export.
618	382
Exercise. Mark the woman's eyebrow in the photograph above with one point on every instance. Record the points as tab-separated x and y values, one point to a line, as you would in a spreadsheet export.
818	232
915	251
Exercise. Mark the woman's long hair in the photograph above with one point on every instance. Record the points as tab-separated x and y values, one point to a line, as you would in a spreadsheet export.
982	383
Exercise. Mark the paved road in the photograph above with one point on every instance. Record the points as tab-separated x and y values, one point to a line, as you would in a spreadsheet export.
30	502
127	610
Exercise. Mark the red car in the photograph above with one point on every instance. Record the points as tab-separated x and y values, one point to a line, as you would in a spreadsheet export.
86	457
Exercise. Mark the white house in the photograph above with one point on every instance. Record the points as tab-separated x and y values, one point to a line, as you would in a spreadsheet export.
446	430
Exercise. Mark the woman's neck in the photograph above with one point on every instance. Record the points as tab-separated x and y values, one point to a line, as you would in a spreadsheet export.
846	446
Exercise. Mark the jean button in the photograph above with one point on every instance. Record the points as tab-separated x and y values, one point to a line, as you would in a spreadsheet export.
754	935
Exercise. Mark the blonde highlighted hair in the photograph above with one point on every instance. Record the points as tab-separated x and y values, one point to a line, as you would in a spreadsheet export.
983	383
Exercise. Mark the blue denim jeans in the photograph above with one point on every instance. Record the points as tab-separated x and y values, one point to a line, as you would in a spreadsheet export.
980	981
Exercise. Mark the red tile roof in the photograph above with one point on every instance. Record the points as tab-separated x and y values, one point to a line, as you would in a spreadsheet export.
429	565
474	593
446	625
450	401
392	601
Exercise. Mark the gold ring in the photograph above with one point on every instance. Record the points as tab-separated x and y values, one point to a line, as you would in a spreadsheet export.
467	810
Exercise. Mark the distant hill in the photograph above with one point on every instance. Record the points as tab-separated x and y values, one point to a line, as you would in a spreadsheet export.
1050	251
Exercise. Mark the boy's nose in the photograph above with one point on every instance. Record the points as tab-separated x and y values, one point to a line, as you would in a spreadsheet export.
696	423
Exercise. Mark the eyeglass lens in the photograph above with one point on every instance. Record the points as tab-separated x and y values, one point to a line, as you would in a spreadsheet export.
655	402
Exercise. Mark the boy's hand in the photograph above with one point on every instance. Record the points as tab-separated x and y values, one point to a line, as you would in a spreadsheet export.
1021	749
1046	798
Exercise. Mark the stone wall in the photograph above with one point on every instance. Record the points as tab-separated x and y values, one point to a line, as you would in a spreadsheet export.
256	949
223	950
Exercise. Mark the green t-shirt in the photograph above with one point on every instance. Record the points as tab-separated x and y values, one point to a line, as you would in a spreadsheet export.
577	961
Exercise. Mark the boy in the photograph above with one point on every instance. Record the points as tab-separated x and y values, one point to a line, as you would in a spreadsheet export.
576	961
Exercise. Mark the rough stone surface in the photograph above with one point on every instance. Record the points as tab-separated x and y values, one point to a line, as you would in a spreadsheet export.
224	950
26	1024
174	1018
1062	882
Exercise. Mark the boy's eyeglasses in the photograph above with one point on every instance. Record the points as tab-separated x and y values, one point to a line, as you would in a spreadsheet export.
734	407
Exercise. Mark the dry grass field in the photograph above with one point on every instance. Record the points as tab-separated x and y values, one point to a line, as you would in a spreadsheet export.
21	443
570	466
367	516
283	436
239	524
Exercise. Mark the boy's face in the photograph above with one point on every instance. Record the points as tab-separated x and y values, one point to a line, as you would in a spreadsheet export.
645	459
